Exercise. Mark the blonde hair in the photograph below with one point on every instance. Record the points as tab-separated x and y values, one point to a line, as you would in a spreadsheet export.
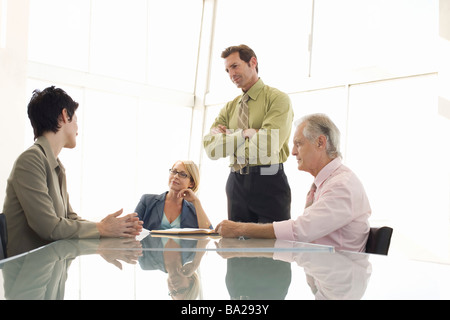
194	173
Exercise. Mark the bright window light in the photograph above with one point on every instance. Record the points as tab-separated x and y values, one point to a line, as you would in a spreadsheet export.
3	23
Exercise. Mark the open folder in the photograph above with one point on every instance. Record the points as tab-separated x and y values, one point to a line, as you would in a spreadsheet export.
185	231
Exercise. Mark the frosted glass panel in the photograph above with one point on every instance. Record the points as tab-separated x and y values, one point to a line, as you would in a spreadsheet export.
374	37
163	139
119	39
398	145
173	36
393	132
109	155
59	33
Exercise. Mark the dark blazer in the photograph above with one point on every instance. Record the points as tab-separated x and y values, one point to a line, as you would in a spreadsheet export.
150	209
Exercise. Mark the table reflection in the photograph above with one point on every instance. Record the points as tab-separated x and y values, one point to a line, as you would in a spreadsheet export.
186	269
42	274
257	278
333	276
330	275
183	280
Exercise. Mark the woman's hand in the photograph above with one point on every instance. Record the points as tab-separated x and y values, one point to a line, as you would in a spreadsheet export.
188	195
202	218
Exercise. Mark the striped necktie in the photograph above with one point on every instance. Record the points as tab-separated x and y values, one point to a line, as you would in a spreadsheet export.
242	124
310	196
243	113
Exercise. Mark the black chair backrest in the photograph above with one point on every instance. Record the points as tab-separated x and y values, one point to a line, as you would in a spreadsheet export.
3	236
379	240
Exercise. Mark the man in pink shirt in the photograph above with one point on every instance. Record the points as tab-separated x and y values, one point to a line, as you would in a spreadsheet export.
337	208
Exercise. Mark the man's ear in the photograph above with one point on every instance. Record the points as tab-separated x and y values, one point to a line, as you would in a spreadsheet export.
322	141
253	61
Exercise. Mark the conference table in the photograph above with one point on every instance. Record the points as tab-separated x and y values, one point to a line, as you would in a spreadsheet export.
255	272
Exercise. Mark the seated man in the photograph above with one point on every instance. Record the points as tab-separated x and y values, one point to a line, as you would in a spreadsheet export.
337	208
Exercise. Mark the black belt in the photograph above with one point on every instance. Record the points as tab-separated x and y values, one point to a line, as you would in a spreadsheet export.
269	169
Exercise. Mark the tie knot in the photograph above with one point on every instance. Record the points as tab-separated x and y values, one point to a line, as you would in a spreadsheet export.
313	187
245	97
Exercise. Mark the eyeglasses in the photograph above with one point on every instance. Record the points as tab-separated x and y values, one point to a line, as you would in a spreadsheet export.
175	292
181	174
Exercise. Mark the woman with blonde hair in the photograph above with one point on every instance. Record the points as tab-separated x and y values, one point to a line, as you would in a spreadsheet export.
179	207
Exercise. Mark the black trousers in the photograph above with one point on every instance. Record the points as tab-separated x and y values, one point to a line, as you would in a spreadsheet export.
258	278
258	197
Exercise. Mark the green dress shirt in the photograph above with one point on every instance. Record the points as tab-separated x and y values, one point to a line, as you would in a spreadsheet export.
270	111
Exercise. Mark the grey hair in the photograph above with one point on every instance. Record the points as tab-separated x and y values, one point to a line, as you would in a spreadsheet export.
320	124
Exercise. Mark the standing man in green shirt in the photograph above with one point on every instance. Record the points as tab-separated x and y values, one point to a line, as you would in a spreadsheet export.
253	131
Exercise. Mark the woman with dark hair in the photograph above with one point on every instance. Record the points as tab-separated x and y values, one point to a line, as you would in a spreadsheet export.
36	206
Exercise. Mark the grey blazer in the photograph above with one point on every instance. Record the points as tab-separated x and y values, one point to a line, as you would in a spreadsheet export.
36	206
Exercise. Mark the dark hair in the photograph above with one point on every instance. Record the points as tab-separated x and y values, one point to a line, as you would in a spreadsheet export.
245	53
45	108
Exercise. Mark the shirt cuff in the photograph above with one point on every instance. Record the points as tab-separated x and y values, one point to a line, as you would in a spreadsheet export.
283	255
283	230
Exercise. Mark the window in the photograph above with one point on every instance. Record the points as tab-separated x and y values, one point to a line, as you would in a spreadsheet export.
278	34
59	33
131	66
374	38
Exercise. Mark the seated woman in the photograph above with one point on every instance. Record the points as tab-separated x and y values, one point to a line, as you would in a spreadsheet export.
170	210
37	206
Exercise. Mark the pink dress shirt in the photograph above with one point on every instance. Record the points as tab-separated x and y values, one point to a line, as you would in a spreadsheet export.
338	216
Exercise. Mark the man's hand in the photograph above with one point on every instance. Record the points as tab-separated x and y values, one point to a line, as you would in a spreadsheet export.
220	129
249	133
230	229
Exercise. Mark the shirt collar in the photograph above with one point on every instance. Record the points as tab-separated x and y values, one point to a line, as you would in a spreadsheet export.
327	171
254	91
45	145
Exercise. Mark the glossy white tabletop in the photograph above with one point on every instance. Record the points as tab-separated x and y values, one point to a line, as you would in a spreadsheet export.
214	269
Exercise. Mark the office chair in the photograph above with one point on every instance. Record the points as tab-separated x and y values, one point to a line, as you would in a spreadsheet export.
379	240
3	236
